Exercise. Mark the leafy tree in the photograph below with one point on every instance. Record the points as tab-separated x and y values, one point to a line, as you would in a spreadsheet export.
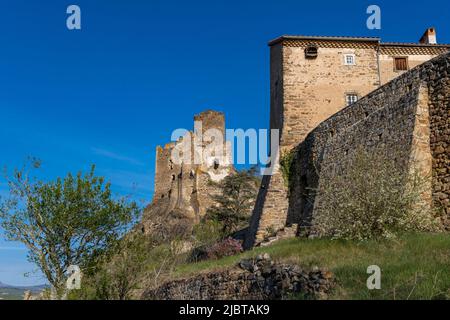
70	221
235	200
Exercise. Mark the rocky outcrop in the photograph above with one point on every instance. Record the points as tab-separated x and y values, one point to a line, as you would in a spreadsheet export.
251	279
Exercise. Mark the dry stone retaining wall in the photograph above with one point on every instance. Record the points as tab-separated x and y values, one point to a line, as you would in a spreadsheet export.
259	279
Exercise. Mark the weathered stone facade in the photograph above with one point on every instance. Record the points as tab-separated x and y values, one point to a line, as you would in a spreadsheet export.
259	279
307	90
182	188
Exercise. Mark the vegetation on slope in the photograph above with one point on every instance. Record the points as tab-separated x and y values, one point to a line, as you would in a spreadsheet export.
66	224
415	266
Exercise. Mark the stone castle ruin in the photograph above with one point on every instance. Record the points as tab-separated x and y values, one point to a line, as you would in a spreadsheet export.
333	95
183	173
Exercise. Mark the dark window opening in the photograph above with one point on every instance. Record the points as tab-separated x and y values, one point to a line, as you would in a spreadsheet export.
311	51
216	164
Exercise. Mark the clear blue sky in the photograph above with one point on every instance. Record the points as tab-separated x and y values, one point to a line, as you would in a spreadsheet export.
110	93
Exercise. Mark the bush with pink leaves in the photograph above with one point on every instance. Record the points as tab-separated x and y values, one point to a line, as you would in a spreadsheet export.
224	248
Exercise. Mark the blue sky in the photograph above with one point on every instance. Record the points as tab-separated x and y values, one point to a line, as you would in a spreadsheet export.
110	93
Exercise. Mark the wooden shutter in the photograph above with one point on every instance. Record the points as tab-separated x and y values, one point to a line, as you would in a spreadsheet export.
400	64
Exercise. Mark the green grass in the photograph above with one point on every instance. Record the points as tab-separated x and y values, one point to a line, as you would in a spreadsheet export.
413	267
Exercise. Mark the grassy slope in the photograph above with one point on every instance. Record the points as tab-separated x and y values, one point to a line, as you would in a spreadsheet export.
413	267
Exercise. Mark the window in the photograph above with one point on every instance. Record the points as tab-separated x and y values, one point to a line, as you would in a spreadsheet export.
400	64
216	164
351	98
311	51
349	59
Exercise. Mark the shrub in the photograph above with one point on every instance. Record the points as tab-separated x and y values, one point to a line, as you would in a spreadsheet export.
224	248
134	265
206	232
372	198
117	274
287	167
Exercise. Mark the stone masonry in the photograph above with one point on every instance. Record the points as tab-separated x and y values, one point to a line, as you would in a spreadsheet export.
313	78
252	279
407	119
182	189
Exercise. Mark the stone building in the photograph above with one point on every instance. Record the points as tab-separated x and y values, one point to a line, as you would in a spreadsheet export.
318	78
182	186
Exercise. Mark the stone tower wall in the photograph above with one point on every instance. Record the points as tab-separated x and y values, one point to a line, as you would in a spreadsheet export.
183	190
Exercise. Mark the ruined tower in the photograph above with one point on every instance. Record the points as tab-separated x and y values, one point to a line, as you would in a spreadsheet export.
183	171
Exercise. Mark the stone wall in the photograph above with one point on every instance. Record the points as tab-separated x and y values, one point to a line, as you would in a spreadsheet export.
439	112
315	89
407	118
259	279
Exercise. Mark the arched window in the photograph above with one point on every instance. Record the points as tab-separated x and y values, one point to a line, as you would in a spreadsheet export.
216	164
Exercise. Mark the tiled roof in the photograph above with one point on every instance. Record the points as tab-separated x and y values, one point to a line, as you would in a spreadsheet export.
299	37
293	38
413	44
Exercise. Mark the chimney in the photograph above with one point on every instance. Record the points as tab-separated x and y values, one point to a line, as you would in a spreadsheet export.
429	37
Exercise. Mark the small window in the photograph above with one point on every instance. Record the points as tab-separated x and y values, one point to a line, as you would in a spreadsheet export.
351	98
311	51
400	64
349	59
216	164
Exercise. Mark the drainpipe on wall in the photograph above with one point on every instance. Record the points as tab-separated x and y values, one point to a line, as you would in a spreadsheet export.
378	63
